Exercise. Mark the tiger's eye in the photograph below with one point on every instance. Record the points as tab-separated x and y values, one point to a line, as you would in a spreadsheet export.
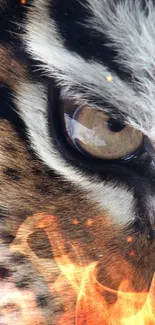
94	133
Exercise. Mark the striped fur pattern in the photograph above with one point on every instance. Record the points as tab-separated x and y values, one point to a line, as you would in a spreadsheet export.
50	52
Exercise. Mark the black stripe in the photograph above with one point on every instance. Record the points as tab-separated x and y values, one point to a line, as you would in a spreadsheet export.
12	20
70	17
12	14
8	111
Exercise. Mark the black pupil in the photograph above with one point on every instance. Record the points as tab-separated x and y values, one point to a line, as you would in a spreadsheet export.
115	126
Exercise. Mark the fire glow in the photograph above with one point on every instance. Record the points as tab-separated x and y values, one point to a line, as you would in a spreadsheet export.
84	302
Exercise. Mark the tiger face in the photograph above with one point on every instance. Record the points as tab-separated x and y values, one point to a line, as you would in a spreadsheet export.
77	154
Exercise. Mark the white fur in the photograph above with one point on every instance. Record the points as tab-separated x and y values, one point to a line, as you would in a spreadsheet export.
130	31
126	28
150	205
131	34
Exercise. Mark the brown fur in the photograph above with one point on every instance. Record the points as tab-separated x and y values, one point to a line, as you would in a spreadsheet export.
28	188
11	71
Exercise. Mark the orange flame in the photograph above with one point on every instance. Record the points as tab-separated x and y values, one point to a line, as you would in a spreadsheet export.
85	302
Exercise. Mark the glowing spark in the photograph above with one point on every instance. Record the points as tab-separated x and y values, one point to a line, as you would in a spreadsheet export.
89	222
129	239
109	78
132	253
23	2
75	222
